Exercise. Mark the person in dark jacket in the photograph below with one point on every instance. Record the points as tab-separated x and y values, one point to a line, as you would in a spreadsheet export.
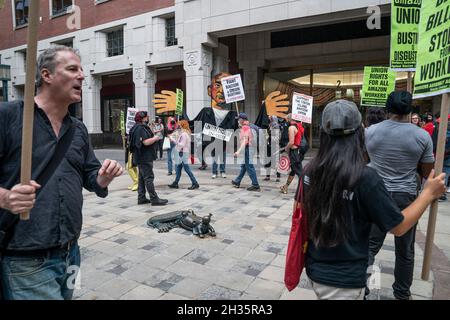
142	144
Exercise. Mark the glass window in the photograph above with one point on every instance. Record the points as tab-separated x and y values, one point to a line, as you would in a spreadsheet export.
21	12
170	32
60	6
114	44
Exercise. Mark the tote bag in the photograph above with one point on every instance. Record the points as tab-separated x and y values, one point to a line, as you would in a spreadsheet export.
297	245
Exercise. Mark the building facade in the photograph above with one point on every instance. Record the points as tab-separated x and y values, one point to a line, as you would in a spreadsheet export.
132	49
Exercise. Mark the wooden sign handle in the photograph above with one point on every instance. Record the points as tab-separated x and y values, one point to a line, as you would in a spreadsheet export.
28	111
438	170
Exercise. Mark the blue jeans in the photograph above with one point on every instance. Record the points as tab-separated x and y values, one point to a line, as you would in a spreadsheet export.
182	161
446	170
222	162
169	157
49	276
247	166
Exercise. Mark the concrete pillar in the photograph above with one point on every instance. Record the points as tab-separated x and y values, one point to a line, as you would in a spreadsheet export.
144	88
198	66
253	87
92	103
221	57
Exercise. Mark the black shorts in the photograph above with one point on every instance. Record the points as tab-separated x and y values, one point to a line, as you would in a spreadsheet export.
296	158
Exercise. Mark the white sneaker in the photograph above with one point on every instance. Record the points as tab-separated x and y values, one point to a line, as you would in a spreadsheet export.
223	175
213	176
448	190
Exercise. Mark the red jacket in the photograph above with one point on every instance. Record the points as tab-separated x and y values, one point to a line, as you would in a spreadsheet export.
429	127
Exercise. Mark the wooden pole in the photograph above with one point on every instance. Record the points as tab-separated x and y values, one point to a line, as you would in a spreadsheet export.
237	107
438	170
28	111
311	85
409	82
409	89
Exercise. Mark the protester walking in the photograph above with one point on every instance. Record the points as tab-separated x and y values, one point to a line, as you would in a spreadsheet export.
182	154
296	135
171	127
247	138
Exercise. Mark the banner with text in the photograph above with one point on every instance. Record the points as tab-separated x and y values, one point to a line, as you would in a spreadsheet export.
233	88
405	17
131	112
216	132
302	106
379	82
433	60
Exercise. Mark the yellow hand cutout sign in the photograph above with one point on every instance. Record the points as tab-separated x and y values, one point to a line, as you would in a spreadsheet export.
165	102
276	104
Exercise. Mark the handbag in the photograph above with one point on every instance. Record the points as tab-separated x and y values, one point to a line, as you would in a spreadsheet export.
166	144
297	245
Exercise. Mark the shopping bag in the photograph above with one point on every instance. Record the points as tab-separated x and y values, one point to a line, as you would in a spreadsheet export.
166	144
297	245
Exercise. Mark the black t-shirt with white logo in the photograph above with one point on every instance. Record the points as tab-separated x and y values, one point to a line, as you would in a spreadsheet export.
345	265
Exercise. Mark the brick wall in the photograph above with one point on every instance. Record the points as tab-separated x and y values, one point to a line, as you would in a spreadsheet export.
91	15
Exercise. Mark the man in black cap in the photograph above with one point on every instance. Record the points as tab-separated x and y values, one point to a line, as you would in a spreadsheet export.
397	149
143	144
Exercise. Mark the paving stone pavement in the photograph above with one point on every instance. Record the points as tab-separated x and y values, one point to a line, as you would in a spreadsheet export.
122	258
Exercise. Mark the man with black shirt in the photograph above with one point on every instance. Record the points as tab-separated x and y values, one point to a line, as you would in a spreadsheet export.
40	256
143	144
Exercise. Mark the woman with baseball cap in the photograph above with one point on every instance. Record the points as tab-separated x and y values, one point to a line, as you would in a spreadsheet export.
342	197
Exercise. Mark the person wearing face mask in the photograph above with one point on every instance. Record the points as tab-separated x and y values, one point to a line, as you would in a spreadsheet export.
143	146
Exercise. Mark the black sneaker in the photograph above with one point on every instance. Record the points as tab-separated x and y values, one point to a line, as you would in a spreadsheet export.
254	188
169	173
143	201
159	202
203	167
173	185
235	184
194	186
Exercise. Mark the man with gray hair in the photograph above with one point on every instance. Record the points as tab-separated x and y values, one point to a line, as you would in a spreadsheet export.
40	257
397	150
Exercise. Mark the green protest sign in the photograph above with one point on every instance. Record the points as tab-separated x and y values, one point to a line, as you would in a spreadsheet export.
179	108
122	122
433	61
405	16
379	82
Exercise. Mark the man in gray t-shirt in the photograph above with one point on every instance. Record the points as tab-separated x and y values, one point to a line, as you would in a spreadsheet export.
398	151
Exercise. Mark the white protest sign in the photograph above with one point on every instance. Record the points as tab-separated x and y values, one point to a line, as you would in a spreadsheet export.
233	88
216	132
302	107
131	112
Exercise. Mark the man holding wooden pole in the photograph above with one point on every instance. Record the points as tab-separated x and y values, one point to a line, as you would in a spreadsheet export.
40	256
